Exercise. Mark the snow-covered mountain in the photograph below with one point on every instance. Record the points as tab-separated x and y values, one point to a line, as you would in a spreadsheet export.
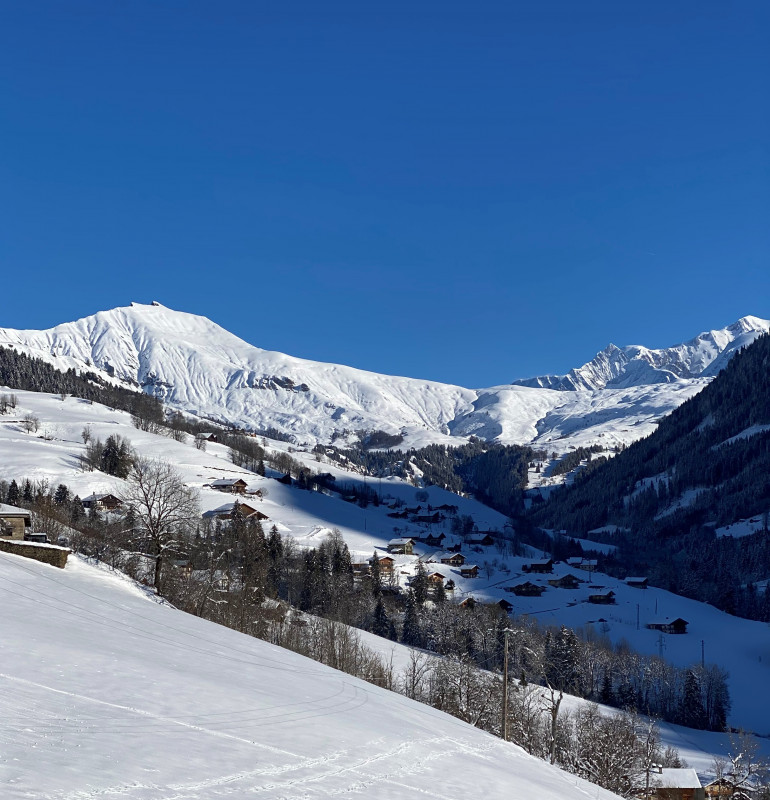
199	367
634	365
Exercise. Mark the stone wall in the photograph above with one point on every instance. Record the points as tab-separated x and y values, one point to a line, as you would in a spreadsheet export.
47	553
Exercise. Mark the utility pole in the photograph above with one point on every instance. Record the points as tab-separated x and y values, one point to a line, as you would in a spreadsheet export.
505	685
702	652
637	616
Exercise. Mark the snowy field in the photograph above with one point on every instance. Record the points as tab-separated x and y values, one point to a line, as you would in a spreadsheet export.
107	694
740	646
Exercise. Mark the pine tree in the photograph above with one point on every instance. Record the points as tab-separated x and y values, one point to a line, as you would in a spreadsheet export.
411	633
380	620
14	495
62	495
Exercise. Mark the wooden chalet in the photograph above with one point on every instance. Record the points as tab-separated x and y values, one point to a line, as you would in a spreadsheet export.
207	437
402	546
231	485
637	583
505	605
588	564
605	597
677	625
479	539
102	502
436	578
286	480
526	589
434	540
723	787
542	566
568	581
386	563
453	559
427	519
13	521
469	571
361	569
450	509
469	602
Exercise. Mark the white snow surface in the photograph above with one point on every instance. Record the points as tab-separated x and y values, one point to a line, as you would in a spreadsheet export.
106	694
197	366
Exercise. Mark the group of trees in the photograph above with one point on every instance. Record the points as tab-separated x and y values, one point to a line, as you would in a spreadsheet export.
699	454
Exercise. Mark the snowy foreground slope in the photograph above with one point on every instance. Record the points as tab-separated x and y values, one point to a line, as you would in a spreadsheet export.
104	694
199	367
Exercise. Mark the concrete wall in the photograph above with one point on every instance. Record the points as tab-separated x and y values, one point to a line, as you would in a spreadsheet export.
48	554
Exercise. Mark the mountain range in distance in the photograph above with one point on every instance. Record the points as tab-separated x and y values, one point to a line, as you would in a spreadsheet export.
198	367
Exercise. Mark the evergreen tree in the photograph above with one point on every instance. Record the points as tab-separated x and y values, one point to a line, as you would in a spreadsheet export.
380	620
693	713
62	495
411	633
14	495
420	585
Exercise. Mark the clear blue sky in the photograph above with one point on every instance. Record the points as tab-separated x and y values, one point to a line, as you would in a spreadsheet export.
469	192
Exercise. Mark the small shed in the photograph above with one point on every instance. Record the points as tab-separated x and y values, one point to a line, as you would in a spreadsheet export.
469	571
505	605
677	625
13	521
637	583
604	597
542	566
723	787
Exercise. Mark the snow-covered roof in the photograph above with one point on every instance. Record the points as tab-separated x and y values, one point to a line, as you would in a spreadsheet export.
12	511
676	778
227	481
635	580
400	541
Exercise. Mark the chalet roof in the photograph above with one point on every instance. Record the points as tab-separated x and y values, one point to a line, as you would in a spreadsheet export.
12	511
575	560
543	562
228	508
400	541
668	621
635	580
602	593
676	778
467	567
96	497
227	482
477	537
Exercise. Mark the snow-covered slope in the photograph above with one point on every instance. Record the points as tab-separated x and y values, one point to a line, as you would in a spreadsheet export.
634	365
106	694
197	366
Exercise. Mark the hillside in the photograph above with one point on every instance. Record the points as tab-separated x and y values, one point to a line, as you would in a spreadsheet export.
692	495
197	366
106	693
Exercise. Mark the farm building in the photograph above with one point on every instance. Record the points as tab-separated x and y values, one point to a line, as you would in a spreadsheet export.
453	559
604	597
526	589
542	566
13	521
480	539
677	625
568	581
637	583
232	485
469	571
668	783
228	511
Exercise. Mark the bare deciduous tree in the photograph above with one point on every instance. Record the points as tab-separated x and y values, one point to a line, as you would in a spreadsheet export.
165	509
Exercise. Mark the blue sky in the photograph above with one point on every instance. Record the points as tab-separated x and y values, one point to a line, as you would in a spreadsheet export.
465	192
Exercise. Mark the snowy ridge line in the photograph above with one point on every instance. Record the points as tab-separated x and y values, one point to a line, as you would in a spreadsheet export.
199	368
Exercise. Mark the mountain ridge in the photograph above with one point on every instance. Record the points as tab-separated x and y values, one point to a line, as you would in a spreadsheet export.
197	366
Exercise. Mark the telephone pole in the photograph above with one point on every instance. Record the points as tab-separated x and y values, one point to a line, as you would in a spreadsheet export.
505	685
